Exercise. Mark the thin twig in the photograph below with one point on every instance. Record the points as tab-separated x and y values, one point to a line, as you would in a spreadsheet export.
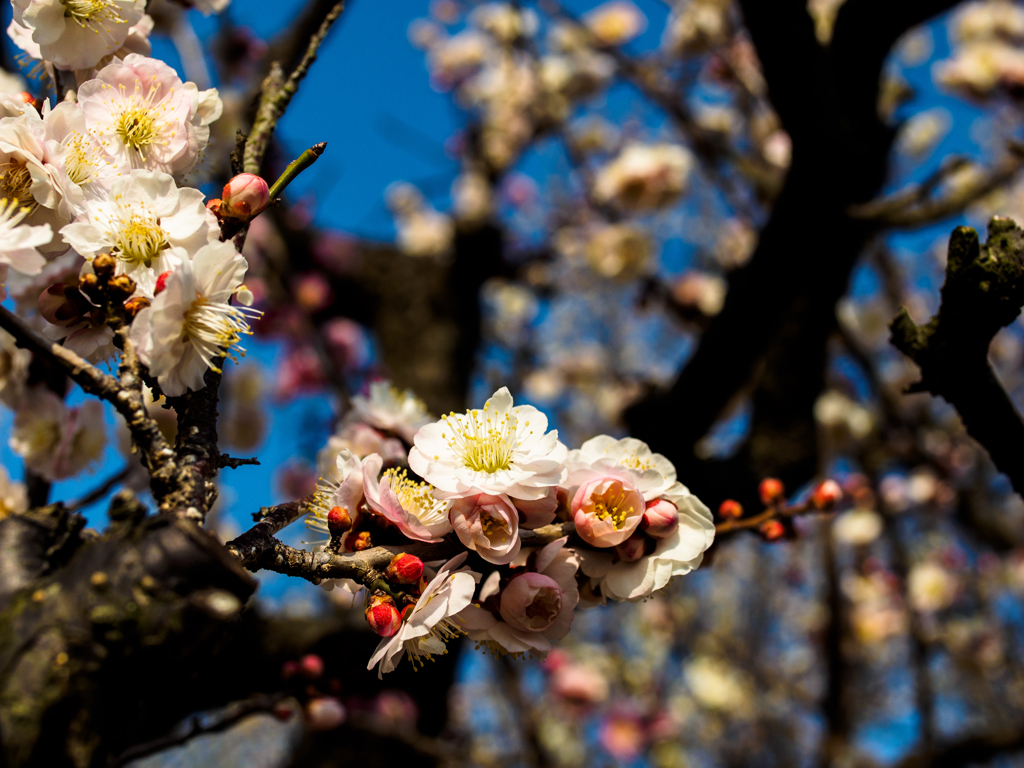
295	167
99	492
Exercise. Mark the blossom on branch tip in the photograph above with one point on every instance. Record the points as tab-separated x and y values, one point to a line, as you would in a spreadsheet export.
244	197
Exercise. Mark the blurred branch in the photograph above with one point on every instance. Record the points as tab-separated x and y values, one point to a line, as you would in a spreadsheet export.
973	750
983	291
914	206
277	94
197	725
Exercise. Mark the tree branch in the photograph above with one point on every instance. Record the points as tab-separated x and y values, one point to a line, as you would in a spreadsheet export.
983	291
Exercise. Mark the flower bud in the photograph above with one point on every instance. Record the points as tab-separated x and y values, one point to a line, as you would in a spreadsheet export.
338	521
88	283
245	196
312	666
121	286
361	541
826	495
104	266
632	549
772	491
27	97
324	713
772	530
161	282
661	518
132	307
382	616
56	307
730	508
404	569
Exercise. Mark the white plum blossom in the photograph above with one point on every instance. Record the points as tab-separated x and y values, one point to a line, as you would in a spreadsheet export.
409	504
675	555
57	441
19	242
191	322
78	156
650	472
147	223
497	449
389	409
432	622
28	174
73	34
362	440
644	177
145	117
341	487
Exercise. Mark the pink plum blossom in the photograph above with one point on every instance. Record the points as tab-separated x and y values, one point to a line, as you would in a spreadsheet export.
606	511
488	525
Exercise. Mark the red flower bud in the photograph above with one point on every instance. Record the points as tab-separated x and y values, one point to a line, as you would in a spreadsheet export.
404	569
661	518
161	282
772	530
632	549
245	196
312	666
382	616
772	491
27	97
338	521
826	495
730	508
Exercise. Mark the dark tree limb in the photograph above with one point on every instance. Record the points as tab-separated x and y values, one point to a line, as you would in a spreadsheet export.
983	291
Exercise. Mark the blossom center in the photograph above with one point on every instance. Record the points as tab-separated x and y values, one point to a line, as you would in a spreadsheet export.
612	504
543	609
214	329
16	184
85	12
136	127
416	498
78	160
485	441
140	238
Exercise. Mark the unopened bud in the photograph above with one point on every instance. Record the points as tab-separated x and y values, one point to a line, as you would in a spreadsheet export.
730	508
382	616
361	541
404	569
27	97
213	206
88	283
632	549
661	518
245	196
132	307
338	521
104	266
826	495
772	530
312	666
121	287
772	491
161	282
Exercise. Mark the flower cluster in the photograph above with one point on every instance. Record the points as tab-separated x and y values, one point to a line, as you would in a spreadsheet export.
495	479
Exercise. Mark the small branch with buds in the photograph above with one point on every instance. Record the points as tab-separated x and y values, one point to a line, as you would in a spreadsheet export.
774	522
983	292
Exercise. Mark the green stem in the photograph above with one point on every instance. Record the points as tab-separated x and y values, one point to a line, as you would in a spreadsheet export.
295	167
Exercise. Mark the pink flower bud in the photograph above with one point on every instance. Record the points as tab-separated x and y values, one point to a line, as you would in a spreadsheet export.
826	495
312	666
531	602
404	569
772	530
632	549
245	196
383	617
661	518
606	511
324	714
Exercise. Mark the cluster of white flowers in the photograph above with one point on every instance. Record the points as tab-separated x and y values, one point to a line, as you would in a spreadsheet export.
483	478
